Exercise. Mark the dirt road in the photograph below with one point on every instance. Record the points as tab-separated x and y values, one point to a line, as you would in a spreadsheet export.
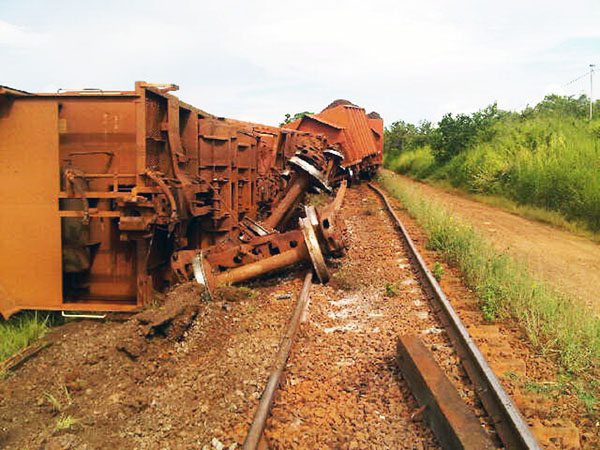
569	263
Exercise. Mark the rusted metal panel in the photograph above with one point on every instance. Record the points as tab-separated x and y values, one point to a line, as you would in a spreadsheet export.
347	128
449	418
130	178
30	248
376	124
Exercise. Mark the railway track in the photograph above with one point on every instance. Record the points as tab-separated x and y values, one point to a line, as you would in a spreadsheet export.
342	386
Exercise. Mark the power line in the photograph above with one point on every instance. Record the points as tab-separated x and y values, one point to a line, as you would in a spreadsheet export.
577	79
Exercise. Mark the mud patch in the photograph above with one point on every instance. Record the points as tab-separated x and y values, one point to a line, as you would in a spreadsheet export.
169	321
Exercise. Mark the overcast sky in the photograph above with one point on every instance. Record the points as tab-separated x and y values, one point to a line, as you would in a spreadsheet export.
257	60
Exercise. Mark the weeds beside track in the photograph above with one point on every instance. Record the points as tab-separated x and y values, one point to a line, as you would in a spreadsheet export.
557	325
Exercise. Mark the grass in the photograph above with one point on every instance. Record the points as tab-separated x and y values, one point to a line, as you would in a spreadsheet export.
59	404
587	393
56	404
228	292
391	289
438	271
552	218
545	163
53	402
318	200
65	422
21	330
556	325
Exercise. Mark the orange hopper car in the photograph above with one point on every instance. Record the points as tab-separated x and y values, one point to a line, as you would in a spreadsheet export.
101	189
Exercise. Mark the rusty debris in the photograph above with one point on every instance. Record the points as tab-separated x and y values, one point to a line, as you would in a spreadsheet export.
448	416
111	196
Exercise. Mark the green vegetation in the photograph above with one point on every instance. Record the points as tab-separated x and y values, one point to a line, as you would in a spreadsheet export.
65	422
557	325
546	157
21	330
59	404
438	271
227	292
318	200
292	118
391	289
56	404
567	384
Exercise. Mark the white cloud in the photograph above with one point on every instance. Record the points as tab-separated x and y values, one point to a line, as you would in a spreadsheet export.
257	60
18	38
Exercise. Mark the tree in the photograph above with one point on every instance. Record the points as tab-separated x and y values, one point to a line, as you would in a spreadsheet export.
292	118
403	136
452	136
455	134
560	105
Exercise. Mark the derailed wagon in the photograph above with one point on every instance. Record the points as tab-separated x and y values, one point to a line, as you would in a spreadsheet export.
109	196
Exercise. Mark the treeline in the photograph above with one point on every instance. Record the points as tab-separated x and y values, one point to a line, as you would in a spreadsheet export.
547	155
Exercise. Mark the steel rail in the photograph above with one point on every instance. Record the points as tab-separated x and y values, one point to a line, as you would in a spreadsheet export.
255	437
510	426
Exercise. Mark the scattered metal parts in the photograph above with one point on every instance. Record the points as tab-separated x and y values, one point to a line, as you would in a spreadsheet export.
200	273
307	167
314	250
511	428
454	425
231	262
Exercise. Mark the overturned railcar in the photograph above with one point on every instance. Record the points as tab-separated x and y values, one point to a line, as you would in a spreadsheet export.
357	135
100	190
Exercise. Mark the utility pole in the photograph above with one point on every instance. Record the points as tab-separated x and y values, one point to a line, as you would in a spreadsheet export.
592	90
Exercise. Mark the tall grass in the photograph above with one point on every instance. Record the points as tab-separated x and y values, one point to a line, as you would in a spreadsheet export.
554	323
546	162
21	330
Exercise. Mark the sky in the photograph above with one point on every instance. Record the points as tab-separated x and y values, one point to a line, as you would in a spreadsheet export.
258	60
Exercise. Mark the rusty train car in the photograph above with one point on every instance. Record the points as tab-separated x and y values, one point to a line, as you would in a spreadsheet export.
101	191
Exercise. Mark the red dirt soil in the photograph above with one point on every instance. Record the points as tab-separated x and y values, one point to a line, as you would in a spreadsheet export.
152	382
